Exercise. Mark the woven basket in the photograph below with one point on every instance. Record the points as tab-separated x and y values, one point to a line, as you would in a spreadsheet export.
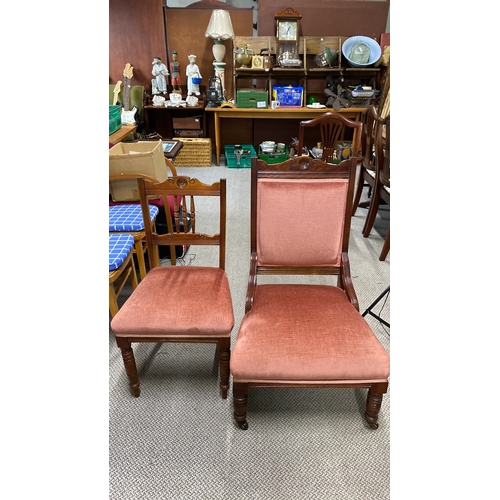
194	153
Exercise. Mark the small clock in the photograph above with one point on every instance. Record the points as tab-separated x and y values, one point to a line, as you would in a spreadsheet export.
287	30
287	34
257	62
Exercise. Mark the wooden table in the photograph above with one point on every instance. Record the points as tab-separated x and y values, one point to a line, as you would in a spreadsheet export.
281	113
121	133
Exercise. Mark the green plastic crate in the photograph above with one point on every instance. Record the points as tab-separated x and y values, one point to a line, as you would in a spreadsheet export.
115	119
271	158
245	159
250	98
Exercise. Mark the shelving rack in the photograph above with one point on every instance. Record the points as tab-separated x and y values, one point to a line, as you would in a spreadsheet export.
305	76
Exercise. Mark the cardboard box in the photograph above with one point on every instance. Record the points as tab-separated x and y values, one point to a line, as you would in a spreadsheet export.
144	157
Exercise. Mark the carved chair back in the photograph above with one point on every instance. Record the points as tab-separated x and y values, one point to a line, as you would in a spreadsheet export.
332	128
182	227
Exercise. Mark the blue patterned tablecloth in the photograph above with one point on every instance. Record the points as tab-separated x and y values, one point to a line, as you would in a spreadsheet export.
129	217
120	245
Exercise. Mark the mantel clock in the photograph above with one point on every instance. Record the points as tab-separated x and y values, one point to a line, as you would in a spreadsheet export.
287	34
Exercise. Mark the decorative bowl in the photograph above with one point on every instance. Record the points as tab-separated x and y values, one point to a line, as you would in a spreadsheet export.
349	45
244	56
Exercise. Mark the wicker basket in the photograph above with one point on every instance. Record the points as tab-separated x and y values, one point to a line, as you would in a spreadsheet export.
194	153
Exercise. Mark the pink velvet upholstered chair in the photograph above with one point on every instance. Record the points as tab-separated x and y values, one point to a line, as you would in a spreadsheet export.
179	303
304	334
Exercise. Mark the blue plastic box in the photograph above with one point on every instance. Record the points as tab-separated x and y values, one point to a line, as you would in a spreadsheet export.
288	96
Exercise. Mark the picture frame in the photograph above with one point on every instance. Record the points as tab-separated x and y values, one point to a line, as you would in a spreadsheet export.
171	148
168	146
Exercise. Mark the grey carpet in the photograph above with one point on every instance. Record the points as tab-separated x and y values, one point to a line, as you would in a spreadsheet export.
178	440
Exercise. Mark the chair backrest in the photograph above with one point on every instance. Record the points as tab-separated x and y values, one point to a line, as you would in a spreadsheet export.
370	120
300	215
182	227
383	151
332	131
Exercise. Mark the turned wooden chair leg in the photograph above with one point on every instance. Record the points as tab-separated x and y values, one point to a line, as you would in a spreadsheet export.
240	399
387	245
224	354
130	366
374	402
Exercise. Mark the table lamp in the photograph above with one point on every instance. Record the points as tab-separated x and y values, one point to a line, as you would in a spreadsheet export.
219	28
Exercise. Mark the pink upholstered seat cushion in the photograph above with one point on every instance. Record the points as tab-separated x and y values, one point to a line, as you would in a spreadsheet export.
301	222
181	300
306	333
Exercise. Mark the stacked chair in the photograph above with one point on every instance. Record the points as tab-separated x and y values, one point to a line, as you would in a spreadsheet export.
121	267
370	120
382	187
127	219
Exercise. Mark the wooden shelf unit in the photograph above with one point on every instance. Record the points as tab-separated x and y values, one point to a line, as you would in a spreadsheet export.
308	76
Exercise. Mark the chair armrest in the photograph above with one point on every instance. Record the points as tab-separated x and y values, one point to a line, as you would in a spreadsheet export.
346	281
252	283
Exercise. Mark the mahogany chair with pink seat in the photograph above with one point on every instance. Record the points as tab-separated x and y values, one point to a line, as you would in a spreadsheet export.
297	334
180	303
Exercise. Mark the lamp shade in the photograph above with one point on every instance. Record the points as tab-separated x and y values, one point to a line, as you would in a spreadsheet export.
220	26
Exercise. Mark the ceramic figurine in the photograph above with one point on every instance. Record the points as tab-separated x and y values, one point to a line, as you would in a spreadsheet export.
193	75
159	71
154	88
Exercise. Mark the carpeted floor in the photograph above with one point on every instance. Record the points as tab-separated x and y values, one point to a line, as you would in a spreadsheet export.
178	440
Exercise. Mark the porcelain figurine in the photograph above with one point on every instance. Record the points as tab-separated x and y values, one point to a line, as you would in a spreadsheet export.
193	75
160	71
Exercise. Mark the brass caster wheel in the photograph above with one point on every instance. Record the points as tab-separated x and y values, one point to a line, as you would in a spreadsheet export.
373	426
243	425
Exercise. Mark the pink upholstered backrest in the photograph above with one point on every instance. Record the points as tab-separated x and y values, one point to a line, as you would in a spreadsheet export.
300	222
